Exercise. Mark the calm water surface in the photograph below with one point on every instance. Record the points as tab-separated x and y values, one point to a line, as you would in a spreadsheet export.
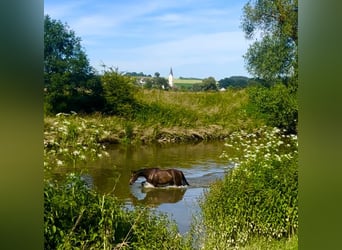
200	163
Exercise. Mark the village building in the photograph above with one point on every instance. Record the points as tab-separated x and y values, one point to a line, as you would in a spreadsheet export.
171	78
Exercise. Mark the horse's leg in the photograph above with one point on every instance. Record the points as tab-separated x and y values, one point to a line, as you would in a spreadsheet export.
184	180
175	180
181	182
153	181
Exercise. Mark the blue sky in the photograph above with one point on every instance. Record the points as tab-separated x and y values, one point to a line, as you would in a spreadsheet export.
197	38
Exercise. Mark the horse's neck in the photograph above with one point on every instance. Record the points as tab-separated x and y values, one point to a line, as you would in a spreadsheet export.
144	173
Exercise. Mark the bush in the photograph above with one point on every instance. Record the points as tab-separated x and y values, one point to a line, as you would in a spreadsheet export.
277	105
258	198
76	217
119	93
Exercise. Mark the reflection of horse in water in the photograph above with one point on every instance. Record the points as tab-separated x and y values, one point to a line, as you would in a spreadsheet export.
160	178
157	196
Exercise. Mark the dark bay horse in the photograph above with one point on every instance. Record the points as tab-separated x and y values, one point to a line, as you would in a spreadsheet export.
160	178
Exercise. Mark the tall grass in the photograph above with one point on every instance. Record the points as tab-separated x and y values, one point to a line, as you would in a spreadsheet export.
195	108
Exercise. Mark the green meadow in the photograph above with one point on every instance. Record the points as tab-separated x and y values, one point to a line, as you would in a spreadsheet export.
186	83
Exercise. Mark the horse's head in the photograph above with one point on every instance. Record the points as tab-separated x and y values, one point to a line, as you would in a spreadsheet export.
134	177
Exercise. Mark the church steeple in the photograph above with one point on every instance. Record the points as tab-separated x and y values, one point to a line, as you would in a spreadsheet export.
171	78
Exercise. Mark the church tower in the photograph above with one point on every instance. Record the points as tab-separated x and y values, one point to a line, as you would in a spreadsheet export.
171	78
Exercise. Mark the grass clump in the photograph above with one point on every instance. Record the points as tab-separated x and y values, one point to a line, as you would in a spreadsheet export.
76	217
258	199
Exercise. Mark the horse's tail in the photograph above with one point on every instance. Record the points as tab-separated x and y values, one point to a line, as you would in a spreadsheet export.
184	180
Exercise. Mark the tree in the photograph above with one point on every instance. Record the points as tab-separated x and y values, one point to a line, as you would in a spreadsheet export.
70	82
234	82
273	60
209	84
157	82
274	57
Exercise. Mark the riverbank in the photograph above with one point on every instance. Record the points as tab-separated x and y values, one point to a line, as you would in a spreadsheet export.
162	117
172	117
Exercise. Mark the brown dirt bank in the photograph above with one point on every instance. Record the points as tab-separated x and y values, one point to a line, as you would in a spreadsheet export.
168	135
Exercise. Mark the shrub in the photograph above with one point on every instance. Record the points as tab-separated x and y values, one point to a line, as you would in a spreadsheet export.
277	105
258	198
119	93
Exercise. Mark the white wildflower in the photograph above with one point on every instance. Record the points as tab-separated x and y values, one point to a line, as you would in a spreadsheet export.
76	152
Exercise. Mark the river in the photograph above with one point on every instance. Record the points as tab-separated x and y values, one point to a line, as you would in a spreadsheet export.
200	163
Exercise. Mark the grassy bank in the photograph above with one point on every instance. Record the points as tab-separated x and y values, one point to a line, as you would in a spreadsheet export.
174	117
257	202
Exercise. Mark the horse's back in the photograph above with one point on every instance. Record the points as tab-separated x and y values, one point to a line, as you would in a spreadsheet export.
163	177
181	180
